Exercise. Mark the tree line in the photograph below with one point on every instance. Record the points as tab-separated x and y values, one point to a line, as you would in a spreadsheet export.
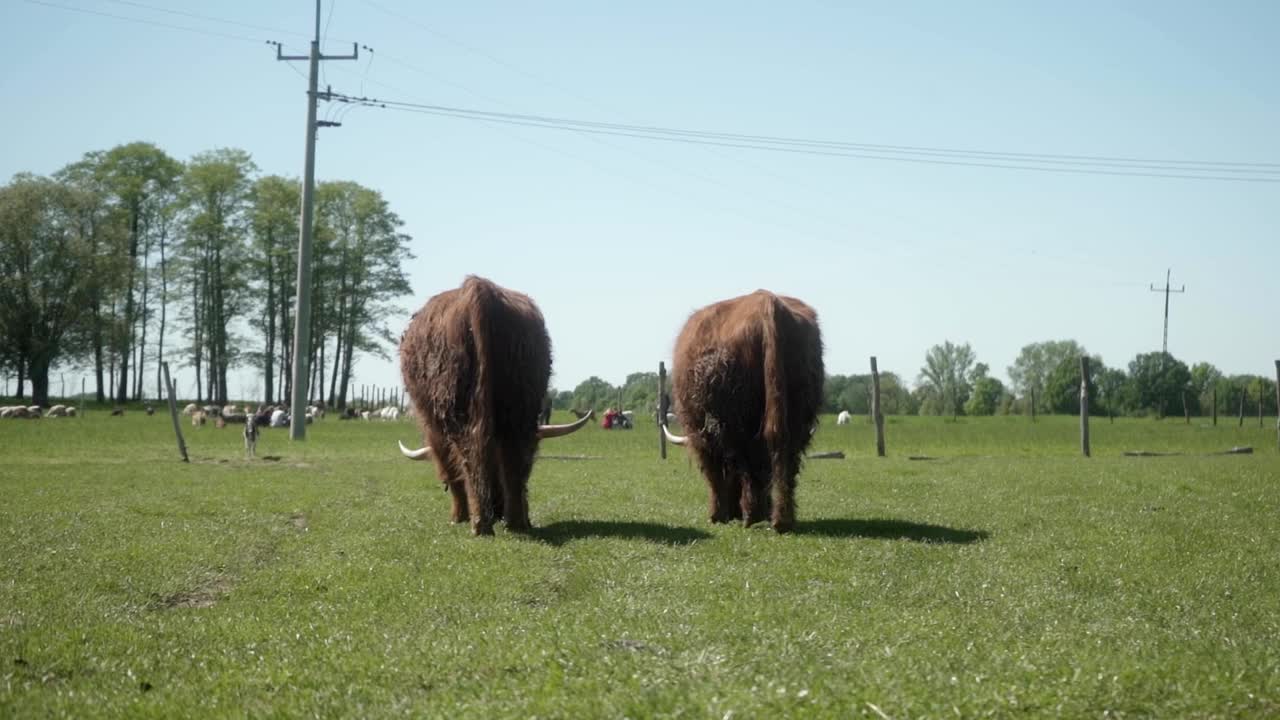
128	257
1044	379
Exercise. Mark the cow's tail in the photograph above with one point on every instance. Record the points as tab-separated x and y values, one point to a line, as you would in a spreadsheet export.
481	303
775	406
776	432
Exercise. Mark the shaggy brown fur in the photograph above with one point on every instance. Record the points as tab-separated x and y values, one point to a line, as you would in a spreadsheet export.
476	362
747	383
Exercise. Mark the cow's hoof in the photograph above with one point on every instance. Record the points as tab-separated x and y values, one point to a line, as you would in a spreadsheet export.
783	526
479	530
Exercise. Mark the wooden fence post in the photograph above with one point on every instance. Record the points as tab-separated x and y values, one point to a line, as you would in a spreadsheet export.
1084	405
1186	412
81	397
1278	404
173	411
876	414
1215	404
1033	404
1243	392
662	408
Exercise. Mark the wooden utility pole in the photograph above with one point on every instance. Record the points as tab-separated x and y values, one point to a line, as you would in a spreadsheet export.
1084	405
302	316
1166	290
173	411
662	408
1244	392
1215	404
876	414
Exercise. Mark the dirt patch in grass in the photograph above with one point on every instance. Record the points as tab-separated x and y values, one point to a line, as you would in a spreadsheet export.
205	595
299	521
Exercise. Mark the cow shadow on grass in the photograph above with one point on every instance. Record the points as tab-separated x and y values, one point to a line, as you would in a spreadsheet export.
565	531
887	529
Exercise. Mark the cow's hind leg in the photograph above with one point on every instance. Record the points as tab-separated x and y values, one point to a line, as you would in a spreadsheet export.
517	464
451	474
754	475
720	499
481	476
785	466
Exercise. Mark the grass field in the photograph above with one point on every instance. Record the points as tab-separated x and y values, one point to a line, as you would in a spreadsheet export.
1006	577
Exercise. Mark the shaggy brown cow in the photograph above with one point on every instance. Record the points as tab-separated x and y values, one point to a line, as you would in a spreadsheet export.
476	362
747	384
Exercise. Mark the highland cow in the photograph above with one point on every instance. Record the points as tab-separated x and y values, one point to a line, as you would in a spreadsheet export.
476	362
747	384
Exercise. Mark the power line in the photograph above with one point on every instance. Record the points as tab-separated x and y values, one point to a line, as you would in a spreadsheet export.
1041	162
157	23
210	18
790	145
772	139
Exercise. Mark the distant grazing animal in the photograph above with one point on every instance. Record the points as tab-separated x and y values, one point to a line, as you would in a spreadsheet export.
251	436
747	383
56	411
476	362
843	418
197	418
117	412
150	410
190	409
279	418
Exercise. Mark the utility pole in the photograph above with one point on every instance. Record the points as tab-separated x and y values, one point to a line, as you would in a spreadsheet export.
302	316
1166	290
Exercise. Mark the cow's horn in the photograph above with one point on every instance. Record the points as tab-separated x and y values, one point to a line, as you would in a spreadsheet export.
550	431
671	437
423	454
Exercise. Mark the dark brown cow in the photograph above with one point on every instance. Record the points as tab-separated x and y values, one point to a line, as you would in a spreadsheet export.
476	362
747	384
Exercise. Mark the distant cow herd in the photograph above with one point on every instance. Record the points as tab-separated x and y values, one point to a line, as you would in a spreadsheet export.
276	416
35	412
747	384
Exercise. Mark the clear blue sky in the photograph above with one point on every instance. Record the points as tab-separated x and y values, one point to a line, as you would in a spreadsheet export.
619	239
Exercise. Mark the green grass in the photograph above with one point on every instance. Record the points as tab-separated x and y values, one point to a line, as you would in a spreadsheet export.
1007	577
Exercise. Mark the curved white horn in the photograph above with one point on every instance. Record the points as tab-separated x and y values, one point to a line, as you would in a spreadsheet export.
423	454
673	438
550	431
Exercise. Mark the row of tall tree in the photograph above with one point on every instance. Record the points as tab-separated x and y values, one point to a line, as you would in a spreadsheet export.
101	262
1045	379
